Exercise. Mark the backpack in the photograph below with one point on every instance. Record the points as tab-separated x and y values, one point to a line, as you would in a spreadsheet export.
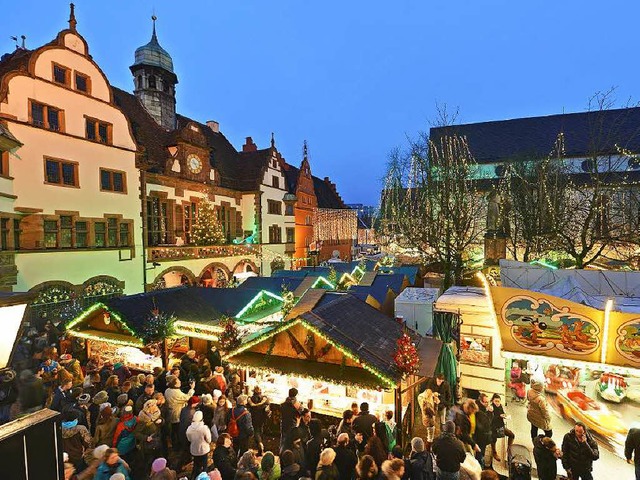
232	426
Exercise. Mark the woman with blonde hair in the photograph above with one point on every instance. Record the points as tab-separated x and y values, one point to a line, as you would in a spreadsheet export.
429	402
393	469
326	469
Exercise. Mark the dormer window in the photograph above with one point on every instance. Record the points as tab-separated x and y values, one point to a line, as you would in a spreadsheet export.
60	74
152	82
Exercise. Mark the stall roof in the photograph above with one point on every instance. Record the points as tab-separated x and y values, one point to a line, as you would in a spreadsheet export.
409	271
465	300
588	287
271	284
422	296
381	285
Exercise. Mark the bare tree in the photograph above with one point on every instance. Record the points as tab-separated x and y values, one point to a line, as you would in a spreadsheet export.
431	204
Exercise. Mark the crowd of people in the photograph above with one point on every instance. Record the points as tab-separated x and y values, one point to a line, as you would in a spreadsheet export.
199	421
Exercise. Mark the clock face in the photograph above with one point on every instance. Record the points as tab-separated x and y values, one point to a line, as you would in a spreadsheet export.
194	163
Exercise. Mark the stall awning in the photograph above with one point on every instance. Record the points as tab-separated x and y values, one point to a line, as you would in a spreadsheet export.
111	337
308	369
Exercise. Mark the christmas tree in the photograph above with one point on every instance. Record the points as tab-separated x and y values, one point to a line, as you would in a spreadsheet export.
333	277
406	356
230	336
288	300
159	325
206	229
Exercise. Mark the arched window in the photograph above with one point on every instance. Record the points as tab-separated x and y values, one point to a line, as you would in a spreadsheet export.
140	84
152	82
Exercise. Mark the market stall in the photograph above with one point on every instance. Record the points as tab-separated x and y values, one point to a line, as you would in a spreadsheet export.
338	352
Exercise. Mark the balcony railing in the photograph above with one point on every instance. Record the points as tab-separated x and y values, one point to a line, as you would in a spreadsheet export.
171	253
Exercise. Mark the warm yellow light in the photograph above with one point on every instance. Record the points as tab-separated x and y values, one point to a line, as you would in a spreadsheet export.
605	335
492	308
11	320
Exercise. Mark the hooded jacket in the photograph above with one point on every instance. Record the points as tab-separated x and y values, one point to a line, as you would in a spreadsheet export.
175	400
199	436
449	452
546	461
538	409
224	460
579	456
75	440
31	392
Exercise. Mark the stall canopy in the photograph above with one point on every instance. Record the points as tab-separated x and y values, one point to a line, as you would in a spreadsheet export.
344	341
579	315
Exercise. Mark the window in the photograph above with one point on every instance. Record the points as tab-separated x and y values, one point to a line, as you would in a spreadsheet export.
100	234
112	181
152	82
82	83
46	116
50	234
81	234
98	131
140	84
112	232
124	235
4	234
157	221
275	234
60	74
291	235
4	164
66	235
274	208
60	172
16	234
307	220
275	182
190	213
288	209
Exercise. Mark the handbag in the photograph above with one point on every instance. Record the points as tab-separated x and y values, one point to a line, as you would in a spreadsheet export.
500	432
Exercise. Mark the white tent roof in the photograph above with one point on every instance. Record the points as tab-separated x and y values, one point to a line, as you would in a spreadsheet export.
588	287
466	300
418	295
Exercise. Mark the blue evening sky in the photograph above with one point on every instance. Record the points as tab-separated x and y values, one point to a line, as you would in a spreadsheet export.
355	77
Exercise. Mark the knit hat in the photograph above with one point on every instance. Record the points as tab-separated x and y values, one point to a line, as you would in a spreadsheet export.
218	369
104	405
197	417
118	476
122	400
206	399
216	394
100	397
241	400
98	452
65	358
267	462
128	409
84	399
158	465
417	445
193	401
117	365
203	476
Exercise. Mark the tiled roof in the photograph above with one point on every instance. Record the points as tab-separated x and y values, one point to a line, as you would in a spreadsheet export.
584	133
291	174
14	61
381	286
327	197
271	284
307	302
252	165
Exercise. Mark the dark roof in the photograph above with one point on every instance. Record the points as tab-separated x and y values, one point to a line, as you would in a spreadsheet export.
290	273
326	194
291	174
190	304
409	271
253	165
584	133
271	284
329	297
366	332
18	59
381	286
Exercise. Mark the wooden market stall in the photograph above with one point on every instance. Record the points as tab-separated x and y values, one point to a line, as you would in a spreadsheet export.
335	349
121	329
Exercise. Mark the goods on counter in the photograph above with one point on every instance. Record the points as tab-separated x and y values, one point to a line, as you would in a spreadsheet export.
612	387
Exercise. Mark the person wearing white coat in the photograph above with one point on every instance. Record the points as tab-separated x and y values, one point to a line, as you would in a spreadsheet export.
175	401
199	437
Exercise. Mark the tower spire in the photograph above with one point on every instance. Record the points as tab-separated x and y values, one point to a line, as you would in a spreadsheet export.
273	140
153	35
72	17
305	151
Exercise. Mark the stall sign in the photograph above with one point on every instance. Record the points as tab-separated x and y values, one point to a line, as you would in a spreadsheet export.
623	340
535	323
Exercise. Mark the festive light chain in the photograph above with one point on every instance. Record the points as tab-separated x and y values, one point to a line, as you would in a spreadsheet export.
324	280
195	333
213	329
174	253
112	314
256	298
335	224
89	336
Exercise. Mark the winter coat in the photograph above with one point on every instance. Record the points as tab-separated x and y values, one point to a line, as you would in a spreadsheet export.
199	437
123	438
74	368
449	452
245	425
579	456
258	407
166	474
219	382
61	398
274	474
225	461
75	441
8	392
31	393
312	454
288	415
444	392
292	472
220	418
546	461
145	428
327	472
484	425
538	409
421	466
215	359
186	417
207	414
497	422
463	428
104	432
632	445
122	372
105	471
140	401
363	424
345	461
175	401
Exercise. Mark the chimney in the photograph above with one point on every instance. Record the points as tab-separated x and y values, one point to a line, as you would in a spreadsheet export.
214	126
249	146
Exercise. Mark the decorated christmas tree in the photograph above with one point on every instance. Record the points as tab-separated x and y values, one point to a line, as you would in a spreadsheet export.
206	229
159	325
406	356
230	336
333	277
288	300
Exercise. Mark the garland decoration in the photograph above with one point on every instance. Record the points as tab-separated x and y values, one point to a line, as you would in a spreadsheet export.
406	355
158	326
230	336
288	300
332	277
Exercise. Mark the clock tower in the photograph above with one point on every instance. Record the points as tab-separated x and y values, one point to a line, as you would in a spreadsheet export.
155	81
